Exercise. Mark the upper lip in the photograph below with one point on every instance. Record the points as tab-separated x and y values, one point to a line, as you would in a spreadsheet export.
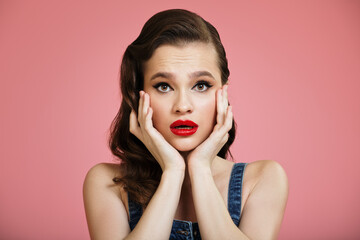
178	123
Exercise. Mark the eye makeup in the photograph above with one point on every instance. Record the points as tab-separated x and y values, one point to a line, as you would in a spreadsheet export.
162	87
205	85
200	86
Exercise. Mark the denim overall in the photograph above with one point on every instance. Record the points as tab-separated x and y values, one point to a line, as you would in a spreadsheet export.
189	230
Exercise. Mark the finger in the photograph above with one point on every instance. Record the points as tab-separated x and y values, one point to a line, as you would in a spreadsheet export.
141	93
225	101
146	102
225	128
134	125
219	107
222	135
225	97
145	107
148	119
228	120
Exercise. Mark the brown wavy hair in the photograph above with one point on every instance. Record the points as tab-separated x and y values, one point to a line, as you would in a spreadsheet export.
139	172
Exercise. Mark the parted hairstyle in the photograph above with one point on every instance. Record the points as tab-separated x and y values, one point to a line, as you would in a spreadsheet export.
139	172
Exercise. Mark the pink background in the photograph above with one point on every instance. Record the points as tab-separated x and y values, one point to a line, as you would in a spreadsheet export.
295	83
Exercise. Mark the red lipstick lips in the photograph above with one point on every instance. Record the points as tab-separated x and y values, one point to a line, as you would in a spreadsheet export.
183	127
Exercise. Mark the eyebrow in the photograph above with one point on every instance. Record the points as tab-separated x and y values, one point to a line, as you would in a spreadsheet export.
162	75
191	75
201	74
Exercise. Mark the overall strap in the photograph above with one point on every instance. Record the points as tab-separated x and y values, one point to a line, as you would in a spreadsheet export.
135	212
235	190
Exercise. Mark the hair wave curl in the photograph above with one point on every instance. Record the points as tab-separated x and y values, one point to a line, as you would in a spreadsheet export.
139	172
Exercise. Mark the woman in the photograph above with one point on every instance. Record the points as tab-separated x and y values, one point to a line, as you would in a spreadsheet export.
172	134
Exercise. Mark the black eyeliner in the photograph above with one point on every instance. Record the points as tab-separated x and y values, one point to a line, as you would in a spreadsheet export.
206	83
157	85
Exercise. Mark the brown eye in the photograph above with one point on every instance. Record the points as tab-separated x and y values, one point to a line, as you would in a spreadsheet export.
162	87
202	86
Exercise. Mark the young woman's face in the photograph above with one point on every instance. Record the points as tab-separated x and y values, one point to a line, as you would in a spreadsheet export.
182	82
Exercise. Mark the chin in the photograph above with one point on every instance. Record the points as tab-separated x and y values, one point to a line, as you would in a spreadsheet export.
185	146
184	149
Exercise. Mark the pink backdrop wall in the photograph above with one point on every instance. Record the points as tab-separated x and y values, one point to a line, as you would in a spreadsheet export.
295	83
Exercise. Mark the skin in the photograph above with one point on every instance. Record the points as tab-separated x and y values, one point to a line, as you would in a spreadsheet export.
184	74
194	179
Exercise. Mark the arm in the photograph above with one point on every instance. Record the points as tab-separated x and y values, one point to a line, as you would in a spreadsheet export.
106	214
158	216
262	214
264	209
213	217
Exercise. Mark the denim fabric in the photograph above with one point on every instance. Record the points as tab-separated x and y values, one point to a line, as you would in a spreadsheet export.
188	230
235	190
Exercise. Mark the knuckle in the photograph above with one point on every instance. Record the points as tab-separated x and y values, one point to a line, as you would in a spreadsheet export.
147	127
228	126
131	129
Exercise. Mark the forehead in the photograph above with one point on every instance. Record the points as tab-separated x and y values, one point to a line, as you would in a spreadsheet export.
181	59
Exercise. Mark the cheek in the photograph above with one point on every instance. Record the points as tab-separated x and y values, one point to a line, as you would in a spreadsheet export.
208	104
207	107
159	110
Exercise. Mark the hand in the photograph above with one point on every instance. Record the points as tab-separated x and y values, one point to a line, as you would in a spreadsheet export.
142	127
205	153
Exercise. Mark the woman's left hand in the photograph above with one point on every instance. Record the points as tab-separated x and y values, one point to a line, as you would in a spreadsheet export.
204	154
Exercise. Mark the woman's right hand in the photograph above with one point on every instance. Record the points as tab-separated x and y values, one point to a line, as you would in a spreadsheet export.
142	127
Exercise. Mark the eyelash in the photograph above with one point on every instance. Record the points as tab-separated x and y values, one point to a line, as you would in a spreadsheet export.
205	83
158	85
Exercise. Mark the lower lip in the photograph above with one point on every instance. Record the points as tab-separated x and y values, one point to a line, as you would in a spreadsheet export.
184	132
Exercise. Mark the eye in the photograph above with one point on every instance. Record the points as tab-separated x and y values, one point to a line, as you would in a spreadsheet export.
162	87
202	86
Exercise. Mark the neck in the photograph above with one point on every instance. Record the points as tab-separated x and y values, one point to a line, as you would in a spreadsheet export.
185	155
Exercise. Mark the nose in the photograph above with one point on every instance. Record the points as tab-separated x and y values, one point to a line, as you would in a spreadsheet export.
183	103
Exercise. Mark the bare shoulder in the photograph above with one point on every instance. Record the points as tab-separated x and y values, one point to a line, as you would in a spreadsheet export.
100	178
103	201
103	173
267	176
264	175
266	169
266	186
